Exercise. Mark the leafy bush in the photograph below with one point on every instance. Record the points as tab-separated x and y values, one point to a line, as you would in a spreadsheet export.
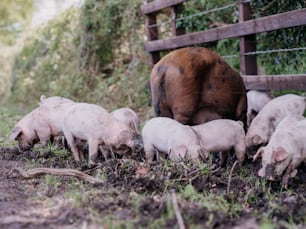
47	65
15	16
93	54
292	62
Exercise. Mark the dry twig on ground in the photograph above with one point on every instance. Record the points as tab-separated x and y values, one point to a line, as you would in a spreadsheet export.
61	172
230	176
177	211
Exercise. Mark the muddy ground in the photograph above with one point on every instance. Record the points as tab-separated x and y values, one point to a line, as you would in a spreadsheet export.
135	195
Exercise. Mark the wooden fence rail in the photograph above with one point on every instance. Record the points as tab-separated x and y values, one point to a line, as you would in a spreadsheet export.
245	30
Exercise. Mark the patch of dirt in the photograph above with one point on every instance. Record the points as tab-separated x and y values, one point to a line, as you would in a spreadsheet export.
31	203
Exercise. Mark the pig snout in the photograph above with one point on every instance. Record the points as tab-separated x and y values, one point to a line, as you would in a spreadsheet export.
123	149
138	143
25	146
252	149
268	172
133	144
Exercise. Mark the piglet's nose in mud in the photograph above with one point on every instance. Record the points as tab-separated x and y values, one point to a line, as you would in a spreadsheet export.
138	144
269	174
252	149
25	147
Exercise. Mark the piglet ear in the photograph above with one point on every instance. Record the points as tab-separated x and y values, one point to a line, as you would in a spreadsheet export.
258	154
293	173
279	154
261	172
16	132
124	135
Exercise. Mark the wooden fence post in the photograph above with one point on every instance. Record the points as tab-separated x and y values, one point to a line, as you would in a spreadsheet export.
248	64
152	34
175	10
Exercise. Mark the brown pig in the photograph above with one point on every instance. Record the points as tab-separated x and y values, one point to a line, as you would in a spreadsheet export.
127	116
97	127
256	101
285	150
42	124
194	85
272	113
171	138
222	135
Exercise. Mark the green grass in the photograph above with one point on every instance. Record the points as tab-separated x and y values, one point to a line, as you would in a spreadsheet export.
51	63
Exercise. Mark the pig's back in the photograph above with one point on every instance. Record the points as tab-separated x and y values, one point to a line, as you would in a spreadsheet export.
54	109
286	104
257	100
160	129
280	107
159	126
54	101
291	129
163	133
220	132
84	120
126	115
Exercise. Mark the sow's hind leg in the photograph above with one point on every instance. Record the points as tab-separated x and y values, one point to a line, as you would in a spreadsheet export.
161	110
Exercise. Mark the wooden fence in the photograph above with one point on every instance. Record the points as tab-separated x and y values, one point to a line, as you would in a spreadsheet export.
245	30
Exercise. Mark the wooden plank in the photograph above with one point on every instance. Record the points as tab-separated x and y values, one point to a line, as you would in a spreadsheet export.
175	10
152	34
157	5
269	23
248	64
155	57
275	82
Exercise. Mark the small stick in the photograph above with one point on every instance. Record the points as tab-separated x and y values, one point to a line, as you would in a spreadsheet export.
195	171
177	211
61	172
230	176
